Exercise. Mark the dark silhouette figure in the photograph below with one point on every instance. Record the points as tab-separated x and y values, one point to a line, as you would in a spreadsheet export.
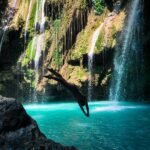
81	99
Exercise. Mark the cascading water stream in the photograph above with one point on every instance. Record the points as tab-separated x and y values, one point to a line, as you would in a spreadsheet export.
43	17
90	60
6	22
37	13
39	20
125	55
38	52
40	39
37	45
33	47
27	21
2	39
14	3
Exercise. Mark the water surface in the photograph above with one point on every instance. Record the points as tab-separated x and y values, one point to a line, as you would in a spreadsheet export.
111	126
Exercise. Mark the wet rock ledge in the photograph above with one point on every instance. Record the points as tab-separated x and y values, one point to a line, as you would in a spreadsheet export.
18	131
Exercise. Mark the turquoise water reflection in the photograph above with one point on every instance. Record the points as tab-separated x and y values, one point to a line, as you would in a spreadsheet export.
111	126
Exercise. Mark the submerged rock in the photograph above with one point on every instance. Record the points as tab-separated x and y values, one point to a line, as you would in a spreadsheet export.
18	131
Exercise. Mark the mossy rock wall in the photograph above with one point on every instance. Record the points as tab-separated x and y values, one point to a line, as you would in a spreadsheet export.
69	27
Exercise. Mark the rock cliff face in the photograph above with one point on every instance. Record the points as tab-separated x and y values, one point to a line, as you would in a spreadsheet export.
69	27
18	131
146	51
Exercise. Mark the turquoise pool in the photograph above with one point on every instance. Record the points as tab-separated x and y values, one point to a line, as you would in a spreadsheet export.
111	125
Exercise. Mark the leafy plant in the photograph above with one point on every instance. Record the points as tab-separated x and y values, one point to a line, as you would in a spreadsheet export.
57	24
99	6
83	4
30	53
32	17
99	42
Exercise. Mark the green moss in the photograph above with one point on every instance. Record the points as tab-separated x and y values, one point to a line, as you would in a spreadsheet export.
57	24
78	75
99	6
20	22
57	57
5	76
100	41
30	77
81	46
53	1
32	17
30	52
83	4
112	38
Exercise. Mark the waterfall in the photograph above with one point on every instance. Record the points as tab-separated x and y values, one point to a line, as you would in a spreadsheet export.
5	22
37	13
31	57
43	17
90	60
38	52
33	46
27	21
14	3
38	45
40	39
40	14
37	62
40	18
2	39
128	58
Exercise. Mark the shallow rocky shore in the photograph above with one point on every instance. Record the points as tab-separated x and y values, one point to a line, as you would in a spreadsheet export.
18	131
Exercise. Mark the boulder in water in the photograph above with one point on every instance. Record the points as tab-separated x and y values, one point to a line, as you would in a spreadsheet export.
18	131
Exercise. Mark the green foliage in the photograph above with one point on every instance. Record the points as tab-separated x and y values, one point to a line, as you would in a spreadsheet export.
83	4
99	42
32	17
81	45
57	24
99	6
57	54
30	77
112	38
20	22
57	57
79	73
30	53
